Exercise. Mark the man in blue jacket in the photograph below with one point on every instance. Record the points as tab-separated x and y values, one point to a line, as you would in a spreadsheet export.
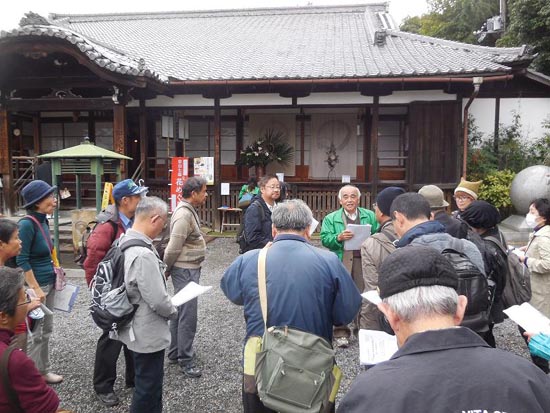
307	288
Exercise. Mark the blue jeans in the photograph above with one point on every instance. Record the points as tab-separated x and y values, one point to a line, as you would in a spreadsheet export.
149	376
183	329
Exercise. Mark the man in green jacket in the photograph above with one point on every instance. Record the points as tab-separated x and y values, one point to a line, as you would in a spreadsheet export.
334	233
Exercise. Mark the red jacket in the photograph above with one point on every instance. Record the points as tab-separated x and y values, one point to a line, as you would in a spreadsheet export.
99	243
35	396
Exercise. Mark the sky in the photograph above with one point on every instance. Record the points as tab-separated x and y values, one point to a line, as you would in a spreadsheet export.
13	11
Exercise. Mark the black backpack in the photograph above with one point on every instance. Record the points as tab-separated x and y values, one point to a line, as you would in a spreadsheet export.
517	287
110	307
473	284
241	237
83	244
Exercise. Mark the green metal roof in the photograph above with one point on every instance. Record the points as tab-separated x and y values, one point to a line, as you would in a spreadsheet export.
85	150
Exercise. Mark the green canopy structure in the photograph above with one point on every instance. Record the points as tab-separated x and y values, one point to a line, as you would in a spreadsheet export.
83	159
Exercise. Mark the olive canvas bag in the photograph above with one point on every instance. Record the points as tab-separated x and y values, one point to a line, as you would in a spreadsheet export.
294	369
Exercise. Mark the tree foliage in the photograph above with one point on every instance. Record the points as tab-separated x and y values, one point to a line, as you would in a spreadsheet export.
452	19
529	23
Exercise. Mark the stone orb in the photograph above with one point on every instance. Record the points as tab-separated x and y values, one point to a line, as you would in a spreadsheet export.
530	183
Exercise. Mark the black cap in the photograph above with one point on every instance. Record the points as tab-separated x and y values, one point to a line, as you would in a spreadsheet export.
415	266
385	198
481	214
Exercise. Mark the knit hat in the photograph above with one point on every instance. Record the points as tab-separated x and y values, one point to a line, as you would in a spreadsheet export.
35	191
481	214
471	188
434	195
415	266
385	198
127	188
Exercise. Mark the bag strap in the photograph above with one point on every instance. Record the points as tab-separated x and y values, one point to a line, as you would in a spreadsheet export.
39	225
13	399
262	283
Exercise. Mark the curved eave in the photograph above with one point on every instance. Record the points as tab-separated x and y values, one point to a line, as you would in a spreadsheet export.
98	55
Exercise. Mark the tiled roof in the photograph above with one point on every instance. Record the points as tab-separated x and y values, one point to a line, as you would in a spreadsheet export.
286	43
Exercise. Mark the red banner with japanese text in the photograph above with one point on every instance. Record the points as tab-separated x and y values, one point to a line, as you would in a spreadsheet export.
180	172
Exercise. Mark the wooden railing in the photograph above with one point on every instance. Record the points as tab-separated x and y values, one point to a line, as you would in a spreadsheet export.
321	203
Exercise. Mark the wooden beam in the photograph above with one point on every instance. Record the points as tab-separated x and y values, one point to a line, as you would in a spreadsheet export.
374	146
37	105
143	146
36	133
5	163
239	137
119	136
217	160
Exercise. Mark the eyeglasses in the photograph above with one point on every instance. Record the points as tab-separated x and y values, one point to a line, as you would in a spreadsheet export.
274	188
374	205
27	300
462	197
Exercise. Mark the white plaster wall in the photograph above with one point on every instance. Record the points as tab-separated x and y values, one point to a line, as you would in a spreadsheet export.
533	112
408	96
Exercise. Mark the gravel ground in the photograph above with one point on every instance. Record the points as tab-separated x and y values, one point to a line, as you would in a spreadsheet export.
218	344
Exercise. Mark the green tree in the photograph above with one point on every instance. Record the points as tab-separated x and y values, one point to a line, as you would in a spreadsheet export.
452	19
529	23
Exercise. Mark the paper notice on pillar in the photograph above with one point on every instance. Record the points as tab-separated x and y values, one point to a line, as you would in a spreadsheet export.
224	188
190	291
346	179
375	346
64	300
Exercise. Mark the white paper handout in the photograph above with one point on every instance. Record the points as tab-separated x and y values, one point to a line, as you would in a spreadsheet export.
313	226
375	346
190	291
372	296
360	234
64	300
529	318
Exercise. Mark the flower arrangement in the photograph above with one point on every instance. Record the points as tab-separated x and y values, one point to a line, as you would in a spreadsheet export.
270	147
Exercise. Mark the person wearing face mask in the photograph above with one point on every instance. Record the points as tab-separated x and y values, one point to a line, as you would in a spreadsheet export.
537	259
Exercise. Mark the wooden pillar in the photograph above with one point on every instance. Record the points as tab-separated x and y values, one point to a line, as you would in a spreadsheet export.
5	164
239	137
119	136
36	133
374	146
143	138
366	145
91	126
217	162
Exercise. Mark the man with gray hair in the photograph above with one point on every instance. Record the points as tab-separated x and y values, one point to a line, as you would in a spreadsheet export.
308	288
335	232
439	366
183	257
148	334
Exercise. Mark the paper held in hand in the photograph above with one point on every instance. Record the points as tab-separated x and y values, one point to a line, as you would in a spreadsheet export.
190	291
375	346
360	234
64	300
529	318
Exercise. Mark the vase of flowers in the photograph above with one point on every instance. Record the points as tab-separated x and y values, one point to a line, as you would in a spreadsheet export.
269	147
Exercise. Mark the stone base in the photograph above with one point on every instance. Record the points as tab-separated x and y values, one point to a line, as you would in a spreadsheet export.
515	230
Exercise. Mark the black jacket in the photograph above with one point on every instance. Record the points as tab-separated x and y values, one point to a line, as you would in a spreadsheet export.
450	370
257	224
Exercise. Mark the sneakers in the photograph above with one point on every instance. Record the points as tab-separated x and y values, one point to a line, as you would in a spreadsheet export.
342	342
191	370
52	378
108	399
